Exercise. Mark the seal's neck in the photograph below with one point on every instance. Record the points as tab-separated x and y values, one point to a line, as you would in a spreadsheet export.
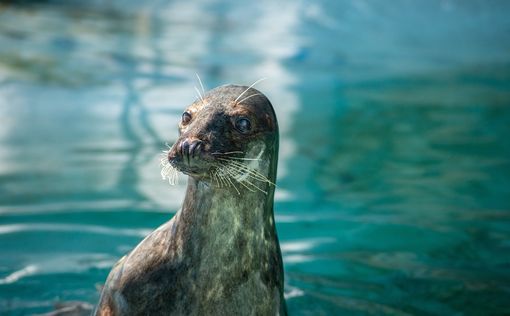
230	247
225	222
205	203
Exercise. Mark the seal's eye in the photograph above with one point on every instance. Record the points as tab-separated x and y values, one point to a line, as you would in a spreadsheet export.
186	118
243	125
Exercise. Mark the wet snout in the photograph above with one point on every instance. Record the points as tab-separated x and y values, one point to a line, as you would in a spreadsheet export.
187	154
190	148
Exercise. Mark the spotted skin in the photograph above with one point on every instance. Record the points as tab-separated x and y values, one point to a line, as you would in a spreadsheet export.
219	255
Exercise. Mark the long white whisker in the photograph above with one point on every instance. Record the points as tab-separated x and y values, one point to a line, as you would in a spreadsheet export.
168	172
237	158
228	178
200	82
261	79
252	95
199	95
232	172
217	179
240	158
228	153
255	186
224	180
257	177
253	173
221	177
250	170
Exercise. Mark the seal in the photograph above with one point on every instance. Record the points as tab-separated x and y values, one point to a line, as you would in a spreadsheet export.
219	254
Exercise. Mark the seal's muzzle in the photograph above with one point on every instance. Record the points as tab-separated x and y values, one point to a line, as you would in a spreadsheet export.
186	155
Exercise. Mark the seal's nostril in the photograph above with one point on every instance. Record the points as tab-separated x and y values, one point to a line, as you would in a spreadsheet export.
189	149
195	148
185	150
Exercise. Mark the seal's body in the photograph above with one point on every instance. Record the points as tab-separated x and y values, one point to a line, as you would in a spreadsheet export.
219	255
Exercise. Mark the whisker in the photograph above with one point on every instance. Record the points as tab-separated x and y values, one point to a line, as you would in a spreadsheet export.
247	187
168	172
232	173
200	81
236	152
217	177
241	158
217	180
250	172
261	79
221	177
242	182
255	186
253	173
257	177
228	153
245	167
252	95
228	178
231	170
224	181
199	95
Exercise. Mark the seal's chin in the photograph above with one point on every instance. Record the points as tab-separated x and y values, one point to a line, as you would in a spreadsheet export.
192	172
172	165
196	168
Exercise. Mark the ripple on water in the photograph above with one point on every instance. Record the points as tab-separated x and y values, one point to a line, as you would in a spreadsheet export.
100	230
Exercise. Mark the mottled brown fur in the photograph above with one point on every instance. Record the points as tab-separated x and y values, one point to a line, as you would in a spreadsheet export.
219	255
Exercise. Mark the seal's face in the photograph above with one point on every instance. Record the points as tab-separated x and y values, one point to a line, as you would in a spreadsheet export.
231	125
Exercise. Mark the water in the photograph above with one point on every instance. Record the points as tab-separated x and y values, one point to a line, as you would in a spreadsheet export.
393	185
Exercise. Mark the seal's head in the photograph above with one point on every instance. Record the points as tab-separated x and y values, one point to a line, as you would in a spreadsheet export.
229	136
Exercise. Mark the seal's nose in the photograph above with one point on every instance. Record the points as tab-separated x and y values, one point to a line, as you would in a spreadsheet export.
190	148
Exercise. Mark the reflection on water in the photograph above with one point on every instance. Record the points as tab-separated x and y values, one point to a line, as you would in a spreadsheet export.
393	179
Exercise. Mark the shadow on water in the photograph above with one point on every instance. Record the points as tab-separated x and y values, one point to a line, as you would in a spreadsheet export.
393	176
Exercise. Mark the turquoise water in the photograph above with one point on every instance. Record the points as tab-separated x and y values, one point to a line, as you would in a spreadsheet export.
393	190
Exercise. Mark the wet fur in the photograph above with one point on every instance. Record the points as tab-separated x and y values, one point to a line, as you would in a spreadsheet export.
219	255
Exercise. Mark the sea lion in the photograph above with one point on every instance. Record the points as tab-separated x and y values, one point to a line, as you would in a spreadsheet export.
219	254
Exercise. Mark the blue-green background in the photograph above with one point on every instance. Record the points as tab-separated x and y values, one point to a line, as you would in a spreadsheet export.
393	192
